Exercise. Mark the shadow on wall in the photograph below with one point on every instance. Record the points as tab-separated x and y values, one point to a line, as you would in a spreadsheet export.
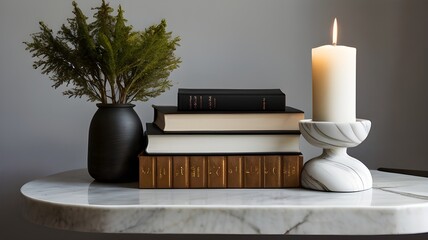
406	116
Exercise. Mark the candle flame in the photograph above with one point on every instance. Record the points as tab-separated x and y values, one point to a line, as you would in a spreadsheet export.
335	32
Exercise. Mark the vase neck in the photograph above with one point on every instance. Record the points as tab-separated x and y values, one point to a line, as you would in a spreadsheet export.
111	105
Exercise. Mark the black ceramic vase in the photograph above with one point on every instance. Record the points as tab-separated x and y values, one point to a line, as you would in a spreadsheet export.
115	140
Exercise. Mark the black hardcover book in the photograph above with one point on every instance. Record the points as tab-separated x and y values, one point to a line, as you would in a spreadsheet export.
231	100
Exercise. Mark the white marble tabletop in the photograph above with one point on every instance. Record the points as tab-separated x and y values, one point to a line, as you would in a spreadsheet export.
397	204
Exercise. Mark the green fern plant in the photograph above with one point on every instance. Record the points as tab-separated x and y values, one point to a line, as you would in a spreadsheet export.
105	60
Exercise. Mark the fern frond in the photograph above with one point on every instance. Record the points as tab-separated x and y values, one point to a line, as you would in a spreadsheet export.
105	60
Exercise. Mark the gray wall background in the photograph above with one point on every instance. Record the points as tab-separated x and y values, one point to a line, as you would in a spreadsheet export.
228	44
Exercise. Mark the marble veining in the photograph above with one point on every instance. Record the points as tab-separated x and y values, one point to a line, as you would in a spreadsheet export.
397	204
334	170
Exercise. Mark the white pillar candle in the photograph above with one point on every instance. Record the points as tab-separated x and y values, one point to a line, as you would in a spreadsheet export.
334	82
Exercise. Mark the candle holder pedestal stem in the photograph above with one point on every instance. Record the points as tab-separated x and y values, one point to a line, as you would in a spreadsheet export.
334	170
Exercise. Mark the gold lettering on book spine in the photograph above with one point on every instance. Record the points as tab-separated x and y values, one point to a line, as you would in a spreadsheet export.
216	172
147	172
198	172
253	172
180	172
195	102
264	103
272	172
193	172
291	170
162	173
234	171
210	103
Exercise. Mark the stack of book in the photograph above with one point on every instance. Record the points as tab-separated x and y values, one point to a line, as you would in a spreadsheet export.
223	139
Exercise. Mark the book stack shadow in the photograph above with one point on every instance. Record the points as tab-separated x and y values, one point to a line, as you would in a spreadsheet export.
223	138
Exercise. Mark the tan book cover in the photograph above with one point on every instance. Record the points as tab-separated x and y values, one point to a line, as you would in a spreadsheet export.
168	118
217	172
253	171
198	172
292	167
147	172
164	172
216	143
234	171
180	166
272	171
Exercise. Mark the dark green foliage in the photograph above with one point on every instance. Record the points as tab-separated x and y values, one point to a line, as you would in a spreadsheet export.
105	60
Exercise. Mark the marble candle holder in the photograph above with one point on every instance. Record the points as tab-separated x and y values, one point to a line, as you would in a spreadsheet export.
334	170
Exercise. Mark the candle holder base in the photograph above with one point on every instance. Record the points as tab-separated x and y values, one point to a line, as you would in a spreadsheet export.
334	170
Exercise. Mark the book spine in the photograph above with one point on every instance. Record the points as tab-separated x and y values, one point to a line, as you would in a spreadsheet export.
264	171
272	172
147	172
198	172
164	172
188	102
180	166
234	172
253	169
292	166
216	172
